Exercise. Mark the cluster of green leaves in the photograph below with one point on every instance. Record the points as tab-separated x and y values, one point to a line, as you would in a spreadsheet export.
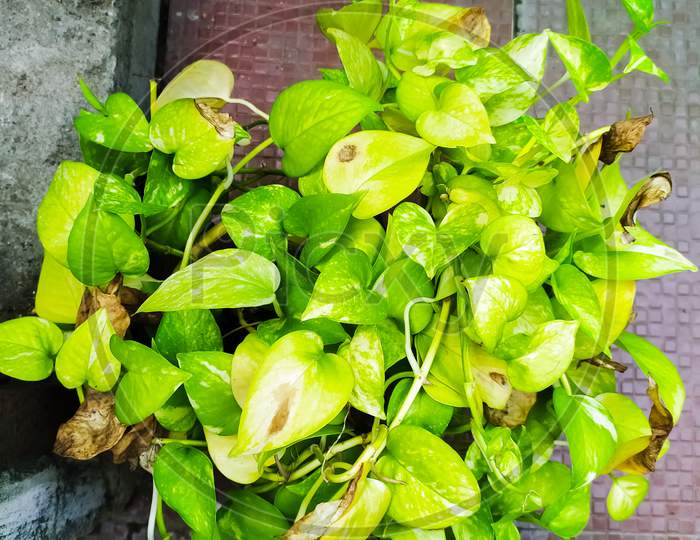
412	363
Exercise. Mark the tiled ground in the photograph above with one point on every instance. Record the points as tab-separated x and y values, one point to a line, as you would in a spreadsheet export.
668	309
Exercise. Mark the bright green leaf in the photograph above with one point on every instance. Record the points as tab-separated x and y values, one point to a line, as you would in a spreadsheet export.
27	348
149	382
234	278
625	495
309	117
386	167
361	67
58	293
297	390
365	357
187	331
254	219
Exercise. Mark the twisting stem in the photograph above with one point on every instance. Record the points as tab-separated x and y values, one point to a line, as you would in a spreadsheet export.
307	498
167	250
223	186
248	105
422	375
209	237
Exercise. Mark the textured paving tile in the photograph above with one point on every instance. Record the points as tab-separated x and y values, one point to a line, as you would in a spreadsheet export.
667	309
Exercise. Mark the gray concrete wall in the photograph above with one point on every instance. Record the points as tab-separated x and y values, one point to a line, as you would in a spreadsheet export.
44	46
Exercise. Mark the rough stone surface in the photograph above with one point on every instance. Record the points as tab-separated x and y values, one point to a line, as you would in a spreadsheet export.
45	46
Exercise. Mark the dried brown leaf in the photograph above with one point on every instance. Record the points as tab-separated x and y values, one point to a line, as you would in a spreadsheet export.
623	136
315	524
653	191
94	299
135	442
221	121
661	422
515	412
93	429
472	24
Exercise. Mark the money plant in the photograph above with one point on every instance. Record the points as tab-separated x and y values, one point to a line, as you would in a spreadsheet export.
411	329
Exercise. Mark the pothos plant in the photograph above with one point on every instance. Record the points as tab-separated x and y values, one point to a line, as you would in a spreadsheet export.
359	364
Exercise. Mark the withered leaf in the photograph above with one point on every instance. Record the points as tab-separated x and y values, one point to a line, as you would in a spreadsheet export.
472	24
134	443
661	422
515	412
93	429
653	191
221	121
603	361
315	524
94	299
623	136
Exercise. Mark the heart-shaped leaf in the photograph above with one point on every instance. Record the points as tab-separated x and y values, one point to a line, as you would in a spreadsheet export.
86	355
386	167
58	293
494	301
516	245
559	130
254	220
119	124
641	12
545	358
358	19
172	227
645	257
149	382
459	120
625	495
176	414
321	219
656	365
200	79
568	516
187	331
367	235
184	477
631	424
366	359
297	390
639	61
209	390
589	75
27	348
341	293
416	95
114	194
163	188
576	294
101	244
234	278
309	117
360	65
434	247
239	469
68	192
585	420
435	489
200	137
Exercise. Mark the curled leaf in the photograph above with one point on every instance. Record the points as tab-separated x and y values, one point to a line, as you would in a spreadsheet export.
93	429
661	422
602	361
134	446
623	136
515	412
656	189
95	298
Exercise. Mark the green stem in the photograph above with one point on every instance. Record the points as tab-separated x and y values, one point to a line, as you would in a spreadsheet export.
422	376
186	442
209	237
81	395
397	377
565	383
278	308
370	452
167	250
308	497
247	104
160	520
223	186
557	84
